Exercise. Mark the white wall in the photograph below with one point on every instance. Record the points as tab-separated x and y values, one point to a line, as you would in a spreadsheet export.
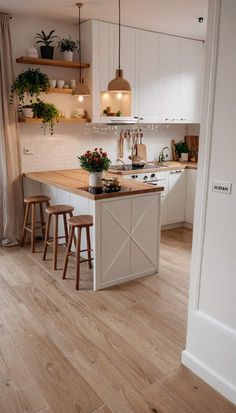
211	337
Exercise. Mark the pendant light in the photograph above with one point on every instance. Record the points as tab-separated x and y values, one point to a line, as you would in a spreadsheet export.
81	89
119	84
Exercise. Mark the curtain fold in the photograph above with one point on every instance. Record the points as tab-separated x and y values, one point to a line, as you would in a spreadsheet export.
11	189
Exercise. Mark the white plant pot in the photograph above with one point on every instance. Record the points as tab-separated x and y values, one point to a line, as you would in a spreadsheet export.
28	112
68	56
184	157
60	84
95	179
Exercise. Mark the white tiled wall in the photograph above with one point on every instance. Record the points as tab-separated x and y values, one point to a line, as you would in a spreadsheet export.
61	150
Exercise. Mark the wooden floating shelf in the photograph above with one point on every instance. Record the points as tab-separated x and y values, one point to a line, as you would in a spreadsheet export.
49	62
58	90
64	120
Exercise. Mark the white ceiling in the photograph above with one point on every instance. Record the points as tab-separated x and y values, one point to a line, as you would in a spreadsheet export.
168	16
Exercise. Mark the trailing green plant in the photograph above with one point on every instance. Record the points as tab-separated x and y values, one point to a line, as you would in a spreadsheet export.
95	161
45	39
48	113
68	45
30	82
181	147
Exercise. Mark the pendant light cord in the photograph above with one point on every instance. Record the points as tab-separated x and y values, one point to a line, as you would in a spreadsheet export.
80	50
119	32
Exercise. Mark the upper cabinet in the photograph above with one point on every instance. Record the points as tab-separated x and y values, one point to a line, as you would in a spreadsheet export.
165	73
148	77
169	78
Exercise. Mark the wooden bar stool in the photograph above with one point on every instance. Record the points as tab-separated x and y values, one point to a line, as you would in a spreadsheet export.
56	211
80	222
32	202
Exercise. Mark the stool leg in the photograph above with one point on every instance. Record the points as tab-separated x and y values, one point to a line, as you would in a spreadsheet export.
71	215
71	236
88	247
24	225
65	228
32	228
55	242
42	220
77	258
45	247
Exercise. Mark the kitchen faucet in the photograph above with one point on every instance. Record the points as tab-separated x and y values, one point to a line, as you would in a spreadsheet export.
162	156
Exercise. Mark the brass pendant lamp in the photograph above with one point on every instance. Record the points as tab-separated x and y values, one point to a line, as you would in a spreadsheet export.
80	89
119	84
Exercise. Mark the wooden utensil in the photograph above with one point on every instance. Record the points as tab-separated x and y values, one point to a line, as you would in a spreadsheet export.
174	154
142	151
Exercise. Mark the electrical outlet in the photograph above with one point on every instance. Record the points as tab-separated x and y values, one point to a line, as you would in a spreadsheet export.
223	187
27	151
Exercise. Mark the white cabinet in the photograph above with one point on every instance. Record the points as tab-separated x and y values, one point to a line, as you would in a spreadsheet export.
148	76
190	195
176	196
190	80
165	72
169	78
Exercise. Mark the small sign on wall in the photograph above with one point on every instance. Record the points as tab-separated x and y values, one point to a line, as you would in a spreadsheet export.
223	187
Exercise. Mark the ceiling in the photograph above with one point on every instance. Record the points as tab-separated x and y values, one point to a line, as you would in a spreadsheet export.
178	17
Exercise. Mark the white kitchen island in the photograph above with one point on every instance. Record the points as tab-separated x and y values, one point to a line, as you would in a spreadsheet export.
126	232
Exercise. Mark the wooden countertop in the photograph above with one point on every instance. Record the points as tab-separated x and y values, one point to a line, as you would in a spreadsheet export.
76	181
169	166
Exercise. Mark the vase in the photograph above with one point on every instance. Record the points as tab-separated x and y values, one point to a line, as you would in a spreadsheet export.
95	180
68	55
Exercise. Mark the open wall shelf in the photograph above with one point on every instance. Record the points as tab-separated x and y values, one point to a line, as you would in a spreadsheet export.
64	120
49	62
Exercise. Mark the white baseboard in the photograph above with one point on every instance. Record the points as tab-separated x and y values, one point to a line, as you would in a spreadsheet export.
209	376
177	225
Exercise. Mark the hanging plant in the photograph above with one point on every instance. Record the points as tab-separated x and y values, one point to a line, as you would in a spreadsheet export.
30	83
48	113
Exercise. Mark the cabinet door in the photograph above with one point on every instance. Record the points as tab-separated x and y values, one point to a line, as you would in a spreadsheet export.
148	76
169	78
176	196
191	80
190	195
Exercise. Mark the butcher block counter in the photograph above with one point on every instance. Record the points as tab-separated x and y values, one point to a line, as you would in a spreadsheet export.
76	181
126	230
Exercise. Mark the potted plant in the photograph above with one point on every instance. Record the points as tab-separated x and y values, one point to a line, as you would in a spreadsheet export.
30	82
47	40
67	47
48	113
95	162
182	150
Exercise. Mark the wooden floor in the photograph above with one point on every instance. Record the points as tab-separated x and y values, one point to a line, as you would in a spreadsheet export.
116	351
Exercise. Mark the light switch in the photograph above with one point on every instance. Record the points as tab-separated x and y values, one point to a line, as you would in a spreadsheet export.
223	187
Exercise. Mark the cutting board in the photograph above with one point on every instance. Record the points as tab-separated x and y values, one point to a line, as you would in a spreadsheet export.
175	156
192	143
142	151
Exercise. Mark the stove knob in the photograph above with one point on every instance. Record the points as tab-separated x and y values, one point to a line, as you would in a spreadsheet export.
153	176
145	178
134	176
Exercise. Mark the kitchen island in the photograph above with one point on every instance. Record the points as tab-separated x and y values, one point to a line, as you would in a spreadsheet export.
126	231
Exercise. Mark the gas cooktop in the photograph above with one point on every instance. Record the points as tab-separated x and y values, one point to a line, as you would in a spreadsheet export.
130	167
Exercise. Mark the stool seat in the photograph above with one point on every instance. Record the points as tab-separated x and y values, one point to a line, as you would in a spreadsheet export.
59	209
81	221
36	199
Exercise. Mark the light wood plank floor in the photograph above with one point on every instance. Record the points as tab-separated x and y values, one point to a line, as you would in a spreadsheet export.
113	351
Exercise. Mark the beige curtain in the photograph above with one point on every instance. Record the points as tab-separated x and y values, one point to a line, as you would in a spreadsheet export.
11	193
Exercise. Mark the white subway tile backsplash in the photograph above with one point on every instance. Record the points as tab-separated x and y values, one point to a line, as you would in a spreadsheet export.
69	141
